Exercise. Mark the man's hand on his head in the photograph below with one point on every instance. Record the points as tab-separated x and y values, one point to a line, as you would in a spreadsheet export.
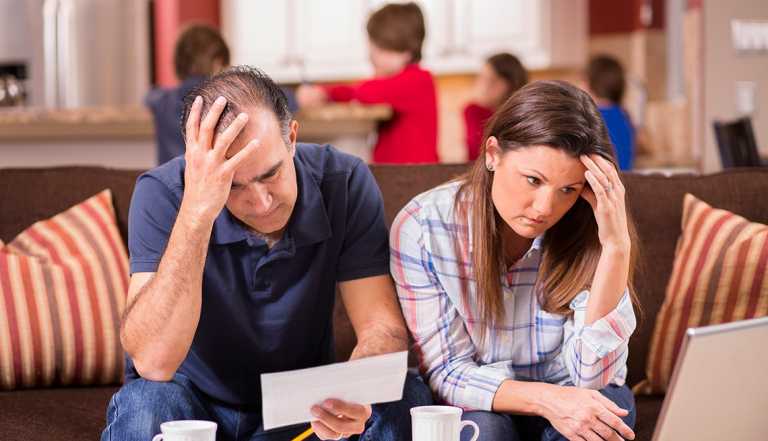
208	174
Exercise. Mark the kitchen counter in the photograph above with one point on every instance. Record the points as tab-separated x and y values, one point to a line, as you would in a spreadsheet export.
124	138
29	124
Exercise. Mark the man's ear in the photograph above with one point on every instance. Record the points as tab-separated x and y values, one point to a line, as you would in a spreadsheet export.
293	134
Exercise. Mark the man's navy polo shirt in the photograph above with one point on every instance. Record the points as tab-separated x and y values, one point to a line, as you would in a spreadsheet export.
267	310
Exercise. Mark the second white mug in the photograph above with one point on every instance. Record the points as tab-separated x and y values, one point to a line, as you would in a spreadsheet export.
439	423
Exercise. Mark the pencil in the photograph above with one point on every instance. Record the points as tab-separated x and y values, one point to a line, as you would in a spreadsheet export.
304	435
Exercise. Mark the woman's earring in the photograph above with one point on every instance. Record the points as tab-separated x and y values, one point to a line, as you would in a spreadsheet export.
489	167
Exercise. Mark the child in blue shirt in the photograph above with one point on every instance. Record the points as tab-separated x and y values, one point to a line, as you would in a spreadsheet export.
606	85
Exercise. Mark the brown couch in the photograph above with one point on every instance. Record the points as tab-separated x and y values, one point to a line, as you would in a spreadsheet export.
27	195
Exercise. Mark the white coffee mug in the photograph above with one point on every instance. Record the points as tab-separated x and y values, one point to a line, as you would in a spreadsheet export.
439	423
187	430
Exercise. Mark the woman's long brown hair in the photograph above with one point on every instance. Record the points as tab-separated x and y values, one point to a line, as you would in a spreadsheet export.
559	115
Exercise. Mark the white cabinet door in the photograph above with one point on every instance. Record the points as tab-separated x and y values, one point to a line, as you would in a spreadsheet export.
462	33
316	40
490	26
331	38
262	34
542	33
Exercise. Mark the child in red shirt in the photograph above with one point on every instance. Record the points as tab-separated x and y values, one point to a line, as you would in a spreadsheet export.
396	33
500	77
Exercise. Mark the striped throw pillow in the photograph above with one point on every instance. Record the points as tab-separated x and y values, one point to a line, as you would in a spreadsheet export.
719	276
63	283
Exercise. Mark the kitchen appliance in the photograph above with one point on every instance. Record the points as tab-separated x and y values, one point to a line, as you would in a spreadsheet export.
95	52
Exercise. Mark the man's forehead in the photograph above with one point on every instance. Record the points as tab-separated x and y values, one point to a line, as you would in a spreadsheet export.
262	125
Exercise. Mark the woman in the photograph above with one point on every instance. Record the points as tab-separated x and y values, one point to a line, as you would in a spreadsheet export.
501	76
515	280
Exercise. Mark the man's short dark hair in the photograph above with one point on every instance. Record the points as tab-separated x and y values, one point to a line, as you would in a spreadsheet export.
398	27
606	78
197	47
244	87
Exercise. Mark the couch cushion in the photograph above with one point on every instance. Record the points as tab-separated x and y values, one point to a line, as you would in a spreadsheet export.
30	194
62	289
65	414
656	203
719	275
648	410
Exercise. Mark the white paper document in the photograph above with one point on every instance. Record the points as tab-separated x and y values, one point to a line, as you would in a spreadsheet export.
286	397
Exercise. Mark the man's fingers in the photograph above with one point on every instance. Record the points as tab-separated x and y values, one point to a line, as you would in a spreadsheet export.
232	163
208	124
224	140
336	423
324	432
193	121
349	410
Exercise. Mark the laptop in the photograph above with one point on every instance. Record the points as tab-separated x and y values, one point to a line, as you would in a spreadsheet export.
719	388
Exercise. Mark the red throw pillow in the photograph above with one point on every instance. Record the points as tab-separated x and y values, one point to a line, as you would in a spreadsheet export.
719	275
63	283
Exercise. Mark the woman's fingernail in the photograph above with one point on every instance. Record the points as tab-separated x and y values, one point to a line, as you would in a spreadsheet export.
198	99
221	100
315	411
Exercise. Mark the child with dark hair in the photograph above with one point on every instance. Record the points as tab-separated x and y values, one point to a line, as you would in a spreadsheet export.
396	33
200	52
500	77
606	85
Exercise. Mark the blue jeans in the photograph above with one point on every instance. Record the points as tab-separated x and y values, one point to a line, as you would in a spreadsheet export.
137	409
504	427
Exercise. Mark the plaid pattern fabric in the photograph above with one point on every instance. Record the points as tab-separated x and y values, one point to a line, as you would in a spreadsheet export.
438	294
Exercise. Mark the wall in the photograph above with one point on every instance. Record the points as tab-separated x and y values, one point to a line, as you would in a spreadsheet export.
723	67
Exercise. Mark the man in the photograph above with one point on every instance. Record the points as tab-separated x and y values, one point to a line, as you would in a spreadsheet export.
236	251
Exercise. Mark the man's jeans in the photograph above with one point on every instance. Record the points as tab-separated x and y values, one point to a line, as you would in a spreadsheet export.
504	427
137	409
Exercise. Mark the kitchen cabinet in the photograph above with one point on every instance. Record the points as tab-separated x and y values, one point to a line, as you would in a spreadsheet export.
314	40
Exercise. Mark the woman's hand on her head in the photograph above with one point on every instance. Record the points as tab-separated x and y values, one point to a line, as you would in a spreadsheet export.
585	414
605	194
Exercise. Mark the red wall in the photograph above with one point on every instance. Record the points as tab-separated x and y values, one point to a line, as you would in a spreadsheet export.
170	17
621	16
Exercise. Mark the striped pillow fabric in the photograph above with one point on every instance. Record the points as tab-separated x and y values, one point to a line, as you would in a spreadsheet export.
63	283
719	276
